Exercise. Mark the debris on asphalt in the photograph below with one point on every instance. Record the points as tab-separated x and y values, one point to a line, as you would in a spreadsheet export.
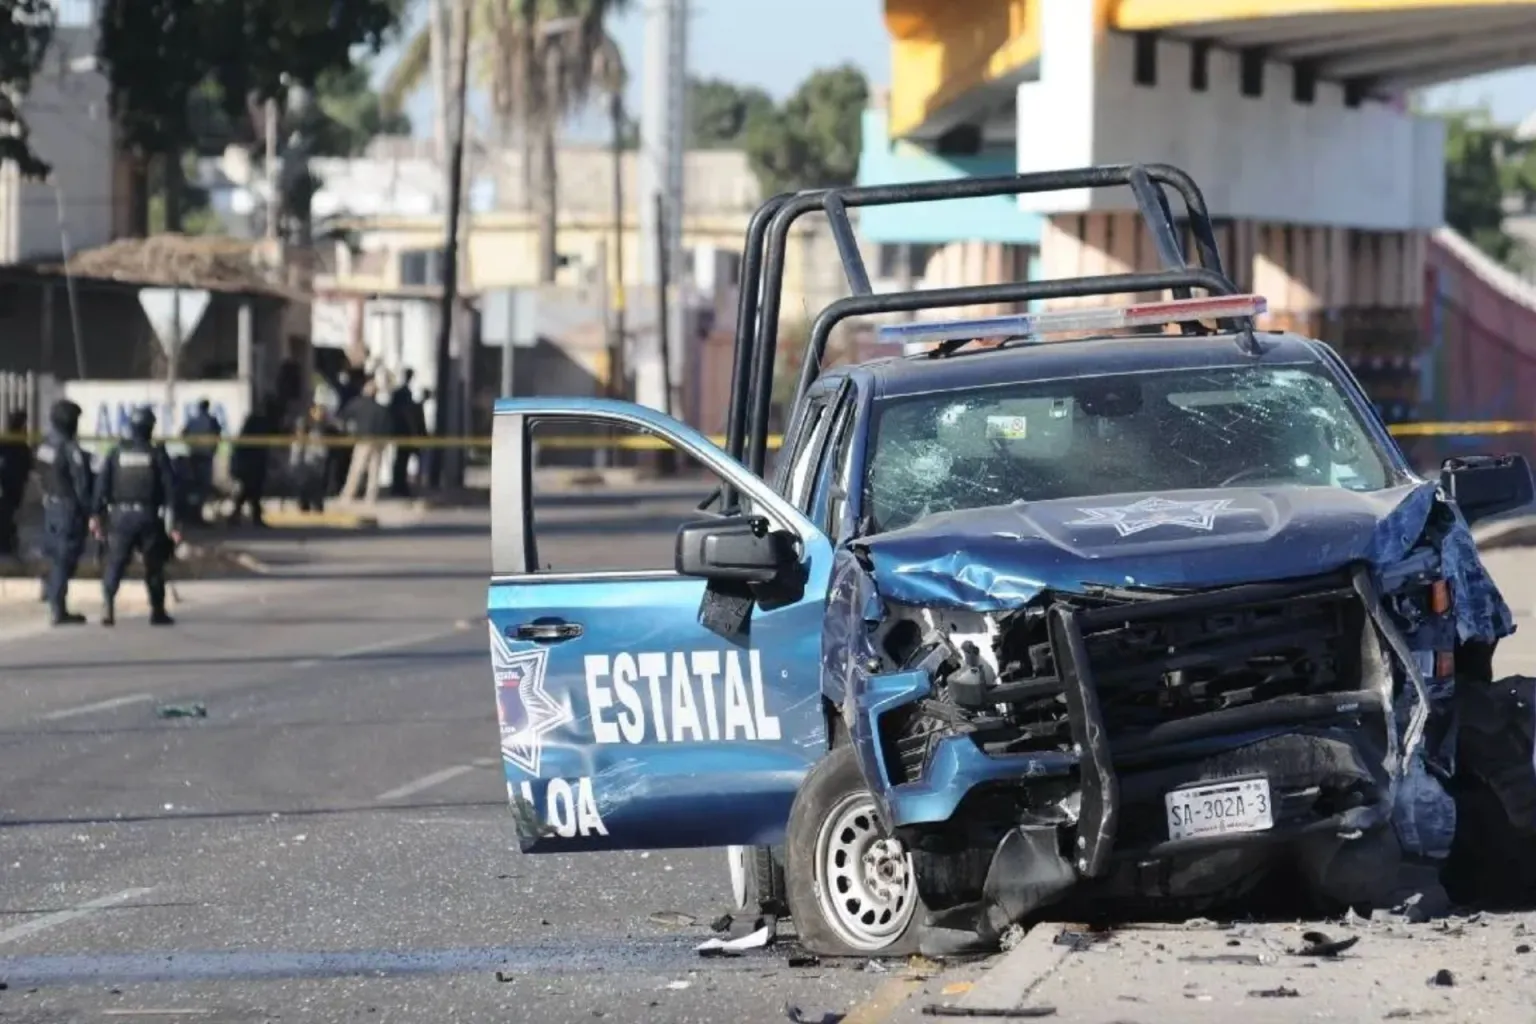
181	711
1006	1012
804	960
799	1016
678	986
759	939
1231	959
1523	948
1080	938
505	976
1319	944
1280	992
1443	979
1011	938
721	924
719	952
673	919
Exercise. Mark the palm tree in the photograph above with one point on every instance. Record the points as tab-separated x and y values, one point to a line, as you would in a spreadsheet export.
541	60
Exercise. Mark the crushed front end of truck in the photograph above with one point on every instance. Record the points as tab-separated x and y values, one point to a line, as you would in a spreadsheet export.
1159	724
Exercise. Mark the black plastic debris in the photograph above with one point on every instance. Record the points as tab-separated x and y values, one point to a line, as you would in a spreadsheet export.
1319	944
505	976
1080	939
799	1016
181	711
1443	979
721	924
718	952
804	960
673	919
1279	992
1523	948
1000	1012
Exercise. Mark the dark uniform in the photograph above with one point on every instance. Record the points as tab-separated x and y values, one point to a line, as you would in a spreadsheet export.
64	476
135	488
15	471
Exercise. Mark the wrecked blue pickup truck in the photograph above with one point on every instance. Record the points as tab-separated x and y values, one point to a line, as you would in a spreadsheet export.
1131	623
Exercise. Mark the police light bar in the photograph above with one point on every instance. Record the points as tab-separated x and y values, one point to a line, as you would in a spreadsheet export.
1027	325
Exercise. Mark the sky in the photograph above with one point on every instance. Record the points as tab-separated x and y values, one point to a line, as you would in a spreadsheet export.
776	44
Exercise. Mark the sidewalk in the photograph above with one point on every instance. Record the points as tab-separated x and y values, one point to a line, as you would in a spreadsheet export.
1456	969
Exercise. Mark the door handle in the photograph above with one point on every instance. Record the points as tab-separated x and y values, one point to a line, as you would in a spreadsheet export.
546	632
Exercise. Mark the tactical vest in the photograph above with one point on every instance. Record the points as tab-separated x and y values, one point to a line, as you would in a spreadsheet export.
53	472
135	482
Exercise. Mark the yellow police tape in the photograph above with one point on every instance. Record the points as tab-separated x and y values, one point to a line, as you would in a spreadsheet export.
1469	428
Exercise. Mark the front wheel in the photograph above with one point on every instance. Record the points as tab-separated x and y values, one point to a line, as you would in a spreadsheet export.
851	887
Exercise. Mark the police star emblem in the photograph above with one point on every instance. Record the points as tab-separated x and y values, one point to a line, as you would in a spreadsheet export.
526	712
1153	512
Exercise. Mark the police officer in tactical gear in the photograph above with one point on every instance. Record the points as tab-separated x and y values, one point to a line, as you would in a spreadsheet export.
135	489
64	476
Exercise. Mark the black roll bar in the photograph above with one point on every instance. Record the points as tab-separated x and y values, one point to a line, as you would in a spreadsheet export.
758	314
1014	291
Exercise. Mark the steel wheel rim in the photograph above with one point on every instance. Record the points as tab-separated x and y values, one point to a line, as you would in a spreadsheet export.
863	880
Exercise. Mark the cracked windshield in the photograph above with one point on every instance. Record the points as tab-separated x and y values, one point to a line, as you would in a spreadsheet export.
1168	431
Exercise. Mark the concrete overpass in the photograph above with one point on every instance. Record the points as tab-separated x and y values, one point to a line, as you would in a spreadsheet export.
1292	115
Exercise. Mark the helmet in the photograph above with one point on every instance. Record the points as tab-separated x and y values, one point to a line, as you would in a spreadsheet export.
141	425
65	417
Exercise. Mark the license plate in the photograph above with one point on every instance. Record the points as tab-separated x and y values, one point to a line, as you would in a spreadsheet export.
1221	808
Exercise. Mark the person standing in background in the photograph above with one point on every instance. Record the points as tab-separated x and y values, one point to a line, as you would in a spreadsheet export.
15	470
368	421
202	433
402	423
64	473
248	464
134	490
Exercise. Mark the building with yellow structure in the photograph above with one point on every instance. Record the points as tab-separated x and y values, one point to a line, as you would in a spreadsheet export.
1290	114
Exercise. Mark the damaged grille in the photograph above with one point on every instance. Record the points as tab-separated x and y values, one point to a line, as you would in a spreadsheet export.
1220	650
1155	658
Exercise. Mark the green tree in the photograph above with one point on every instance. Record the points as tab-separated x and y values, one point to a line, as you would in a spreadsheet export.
351	112
813	141
172	63
541	60
719	112
26	30
1477	157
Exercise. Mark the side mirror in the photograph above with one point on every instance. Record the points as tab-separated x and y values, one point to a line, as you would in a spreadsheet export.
743	549
1487	485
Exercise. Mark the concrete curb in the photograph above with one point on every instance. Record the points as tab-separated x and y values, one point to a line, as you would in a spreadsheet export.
1011	978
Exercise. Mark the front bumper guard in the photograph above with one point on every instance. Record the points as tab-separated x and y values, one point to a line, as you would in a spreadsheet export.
1099	812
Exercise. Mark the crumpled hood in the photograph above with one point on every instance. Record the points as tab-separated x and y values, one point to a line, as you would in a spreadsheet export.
988	559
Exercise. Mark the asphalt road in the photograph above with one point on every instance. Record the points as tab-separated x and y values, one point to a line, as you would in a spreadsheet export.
332	841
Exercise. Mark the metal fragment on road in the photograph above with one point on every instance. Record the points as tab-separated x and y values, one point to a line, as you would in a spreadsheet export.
181	711
1319	944
1002	1012
753	940
672	919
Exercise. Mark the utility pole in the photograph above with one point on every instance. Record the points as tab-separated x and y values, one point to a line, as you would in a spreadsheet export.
617	372
447	394
663	130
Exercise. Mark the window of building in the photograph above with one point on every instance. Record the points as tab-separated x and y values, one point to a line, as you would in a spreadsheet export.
1145	64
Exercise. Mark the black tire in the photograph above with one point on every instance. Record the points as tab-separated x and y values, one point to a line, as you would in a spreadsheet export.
766	875
831	788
